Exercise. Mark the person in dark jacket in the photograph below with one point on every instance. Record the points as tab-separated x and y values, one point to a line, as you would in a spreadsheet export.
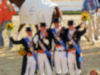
73	39
28	59
43	39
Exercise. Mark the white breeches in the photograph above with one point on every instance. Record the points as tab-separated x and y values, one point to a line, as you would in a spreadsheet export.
43	64
61	62
31	64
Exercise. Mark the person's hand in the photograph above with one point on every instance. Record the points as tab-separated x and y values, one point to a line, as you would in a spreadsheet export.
81	23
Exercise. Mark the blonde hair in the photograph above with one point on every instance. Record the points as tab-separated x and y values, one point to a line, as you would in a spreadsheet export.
94	70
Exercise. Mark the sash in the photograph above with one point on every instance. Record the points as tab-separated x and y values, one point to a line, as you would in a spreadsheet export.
34	55
79	51
41	43
59	40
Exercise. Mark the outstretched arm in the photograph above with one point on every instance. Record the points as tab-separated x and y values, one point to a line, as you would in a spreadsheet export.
79	26
82	32
15	41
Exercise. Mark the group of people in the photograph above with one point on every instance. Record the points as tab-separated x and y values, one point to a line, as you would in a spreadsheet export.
6	13
57	47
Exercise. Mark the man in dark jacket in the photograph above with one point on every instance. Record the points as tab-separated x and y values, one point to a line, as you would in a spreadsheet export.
29	61
73	39
43	39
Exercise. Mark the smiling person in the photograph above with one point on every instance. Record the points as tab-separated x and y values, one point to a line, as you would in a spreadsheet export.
74	50
43	39
60	58
29	59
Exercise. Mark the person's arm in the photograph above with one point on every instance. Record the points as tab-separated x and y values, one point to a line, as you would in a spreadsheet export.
79	26
82	32
13	10
16	41
97	3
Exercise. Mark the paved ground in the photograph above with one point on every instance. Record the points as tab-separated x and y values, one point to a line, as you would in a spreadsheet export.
10	62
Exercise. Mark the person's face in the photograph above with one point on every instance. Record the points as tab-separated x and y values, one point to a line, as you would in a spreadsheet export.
29	33
43	29
56	25
71	27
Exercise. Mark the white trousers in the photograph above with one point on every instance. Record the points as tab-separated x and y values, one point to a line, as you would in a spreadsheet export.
30	68
60	62
72	63
97	32
91	28
43	64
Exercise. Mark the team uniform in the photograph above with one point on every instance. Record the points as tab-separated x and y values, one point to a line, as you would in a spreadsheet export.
60	58
43	49
73	37
29	60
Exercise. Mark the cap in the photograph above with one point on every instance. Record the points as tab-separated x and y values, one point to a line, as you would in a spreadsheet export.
42	24
28	29
56	20
70	23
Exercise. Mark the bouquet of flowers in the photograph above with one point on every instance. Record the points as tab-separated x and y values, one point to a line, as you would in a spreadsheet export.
85	16
9	26
22	51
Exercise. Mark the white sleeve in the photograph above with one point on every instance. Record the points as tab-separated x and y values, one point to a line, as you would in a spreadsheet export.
35	39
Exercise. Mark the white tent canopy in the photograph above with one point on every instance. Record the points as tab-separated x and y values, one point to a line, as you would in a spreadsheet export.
36	11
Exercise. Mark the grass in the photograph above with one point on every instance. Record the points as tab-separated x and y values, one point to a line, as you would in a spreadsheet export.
68	12
71	12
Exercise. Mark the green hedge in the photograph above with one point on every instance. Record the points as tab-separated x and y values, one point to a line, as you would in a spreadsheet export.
71	12
68	12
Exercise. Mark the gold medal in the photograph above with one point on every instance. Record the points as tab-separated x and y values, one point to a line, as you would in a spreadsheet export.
31	49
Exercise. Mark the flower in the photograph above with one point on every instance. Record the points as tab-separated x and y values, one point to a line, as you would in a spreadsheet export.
85	16
22	51
9	26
